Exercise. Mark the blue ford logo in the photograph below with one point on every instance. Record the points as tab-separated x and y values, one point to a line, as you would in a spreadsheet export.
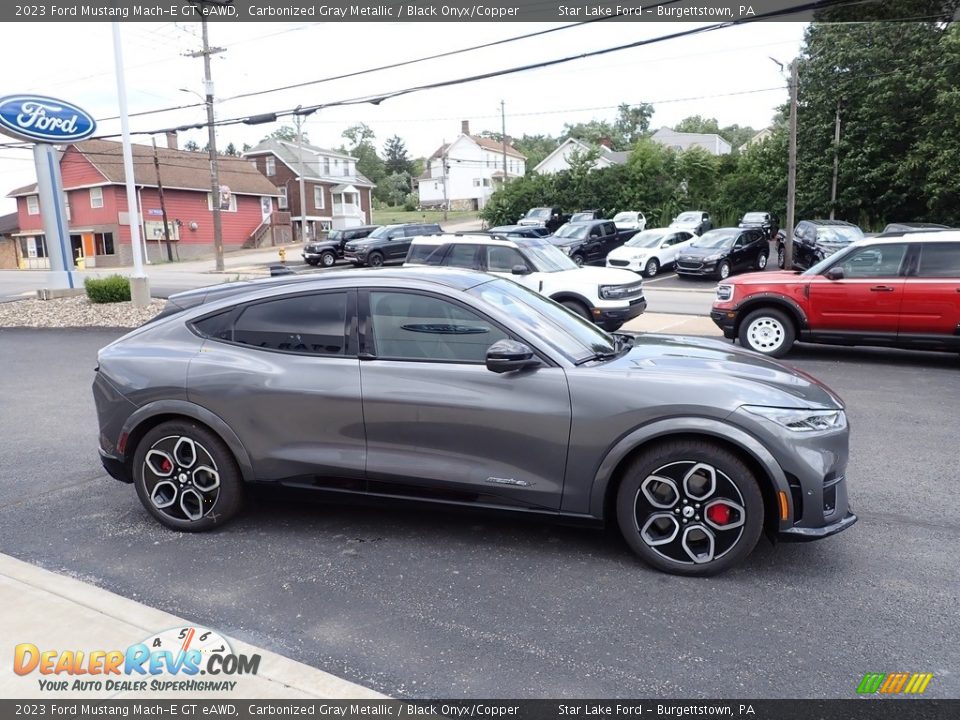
44	119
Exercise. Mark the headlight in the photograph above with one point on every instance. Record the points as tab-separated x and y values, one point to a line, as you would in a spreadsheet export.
724	292
713	258
617	292
567	248
801	420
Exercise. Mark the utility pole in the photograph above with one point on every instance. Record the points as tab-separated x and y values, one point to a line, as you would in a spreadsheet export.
298	119
791	169
443	159
503	133
836	158
212	143
163	205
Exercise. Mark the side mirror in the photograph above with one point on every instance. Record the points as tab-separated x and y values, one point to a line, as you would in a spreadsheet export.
834	273
509	355
520	270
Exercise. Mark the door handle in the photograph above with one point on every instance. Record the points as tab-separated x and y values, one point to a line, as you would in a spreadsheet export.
882	288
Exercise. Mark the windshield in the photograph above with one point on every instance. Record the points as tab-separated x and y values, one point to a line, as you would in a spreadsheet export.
839	234
646	239
754	218
546	321
715	239
688	217
546	257
581	216
572	231
624	216
541	213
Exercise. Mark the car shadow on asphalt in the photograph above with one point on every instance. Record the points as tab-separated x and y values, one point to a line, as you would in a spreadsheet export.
872	356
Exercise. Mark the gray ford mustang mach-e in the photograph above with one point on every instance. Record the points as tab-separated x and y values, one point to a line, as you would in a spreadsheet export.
458	387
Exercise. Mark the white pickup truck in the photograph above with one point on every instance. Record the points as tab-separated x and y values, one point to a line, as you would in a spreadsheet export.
605	296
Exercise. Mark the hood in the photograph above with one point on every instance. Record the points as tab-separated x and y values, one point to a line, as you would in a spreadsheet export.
763	278
686	225
625	252
750	378
691	251
603	276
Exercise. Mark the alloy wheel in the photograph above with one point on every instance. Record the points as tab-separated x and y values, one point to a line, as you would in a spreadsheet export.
724	270
181	478
653	267
689	512
328	259
762	261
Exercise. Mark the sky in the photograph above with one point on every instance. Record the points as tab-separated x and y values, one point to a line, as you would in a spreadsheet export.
727	74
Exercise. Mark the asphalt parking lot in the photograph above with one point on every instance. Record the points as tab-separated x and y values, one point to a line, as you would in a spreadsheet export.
427	603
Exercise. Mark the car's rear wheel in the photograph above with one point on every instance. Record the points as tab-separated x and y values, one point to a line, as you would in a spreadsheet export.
375	259
723	270
328	258
186	477
652	267
762	260
578	308
768	331
690	507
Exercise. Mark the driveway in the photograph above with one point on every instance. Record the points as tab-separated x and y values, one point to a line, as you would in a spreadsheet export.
430	603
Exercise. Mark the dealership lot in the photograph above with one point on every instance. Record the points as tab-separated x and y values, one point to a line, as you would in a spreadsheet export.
426	603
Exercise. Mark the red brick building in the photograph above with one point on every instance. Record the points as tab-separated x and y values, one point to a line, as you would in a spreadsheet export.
99	218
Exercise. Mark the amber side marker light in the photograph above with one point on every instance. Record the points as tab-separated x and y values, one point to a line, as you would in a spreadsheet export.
784	506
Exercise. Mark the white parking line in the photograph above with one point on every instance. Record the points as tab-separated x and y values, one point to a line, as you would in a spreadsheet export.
660	279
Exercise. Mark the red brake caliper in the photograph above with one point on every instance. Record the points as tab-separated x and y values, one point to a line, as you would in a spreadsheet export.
719	514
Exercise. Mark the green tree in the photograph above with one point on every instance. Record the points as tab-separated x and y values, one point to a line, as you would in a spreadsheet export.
396	159
231	150
287	133
369	163
191	145
698	124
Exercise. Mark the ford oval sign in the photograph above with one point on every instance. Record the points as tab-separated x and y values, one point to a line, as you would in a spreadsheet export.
44	119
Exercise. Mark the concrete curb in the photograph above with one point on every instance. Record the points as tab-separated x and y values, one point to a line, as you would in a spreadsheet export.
55	611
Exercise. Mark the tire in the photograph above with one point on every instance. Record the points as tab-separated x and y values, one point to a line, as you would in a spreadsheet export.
181	503
723	270
578	308
767	331
328	258
762	261
652	267
781	257
375	259
666	518
578	259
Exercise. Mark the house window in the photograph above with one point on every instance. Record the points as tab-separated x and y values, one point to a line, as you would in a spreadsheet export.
232	205
96	197
476	182
486	182
103	242
282	200
326	166
318	199
34	246
346	169
33	205
271	166
66	205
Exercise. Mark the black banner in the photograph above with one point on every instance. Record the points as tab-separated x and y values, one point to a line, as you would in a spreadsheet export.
474	10
863	709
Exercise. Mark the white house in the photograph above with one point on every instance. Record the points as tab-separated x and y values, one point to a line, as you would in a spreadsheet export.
711	142
559	159
464	173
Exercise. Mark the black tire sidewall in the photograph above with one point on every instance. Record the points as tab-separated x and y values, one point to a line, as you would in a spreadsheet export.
576	307
375	260
578	259
700	451
729	267
230	499
779	316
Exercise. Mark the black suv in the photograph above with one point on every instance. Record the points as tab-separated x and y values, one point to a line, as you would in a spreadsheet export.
387	243
813	240
718	253
326	252
763	220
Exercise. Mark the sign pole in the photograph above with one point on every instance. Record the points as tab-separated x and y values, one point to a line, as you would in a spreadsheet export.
139	284
55	226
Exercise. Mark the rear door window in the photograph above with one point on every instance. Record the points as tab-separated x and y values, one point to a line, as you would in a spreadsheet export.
503	259
312	324
461	256
939	260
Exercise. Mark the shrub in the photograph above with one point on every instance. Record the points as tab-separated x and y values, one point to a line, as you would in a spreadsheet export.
111	289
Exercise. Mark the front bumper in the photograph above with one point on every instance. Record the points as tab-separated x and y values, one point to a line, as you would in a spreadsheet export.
697	268
637	266
726	320
357	258
803	534
621	314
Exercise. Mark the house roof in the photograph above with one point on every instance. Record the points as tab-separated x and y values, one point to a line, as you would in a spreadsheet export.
9	224
484	142
615	157
181	169
289	155
666	135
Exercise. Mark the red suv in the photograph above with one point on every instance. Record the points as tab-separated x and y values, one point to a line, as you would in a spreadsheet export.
893	290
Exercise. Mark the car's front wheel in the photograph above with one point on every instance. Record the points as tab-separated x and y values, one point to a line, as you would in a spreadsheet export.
578	259
781	257
768	331
652	267
723	270
328	258
577	308
375	259
186	477
690	507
